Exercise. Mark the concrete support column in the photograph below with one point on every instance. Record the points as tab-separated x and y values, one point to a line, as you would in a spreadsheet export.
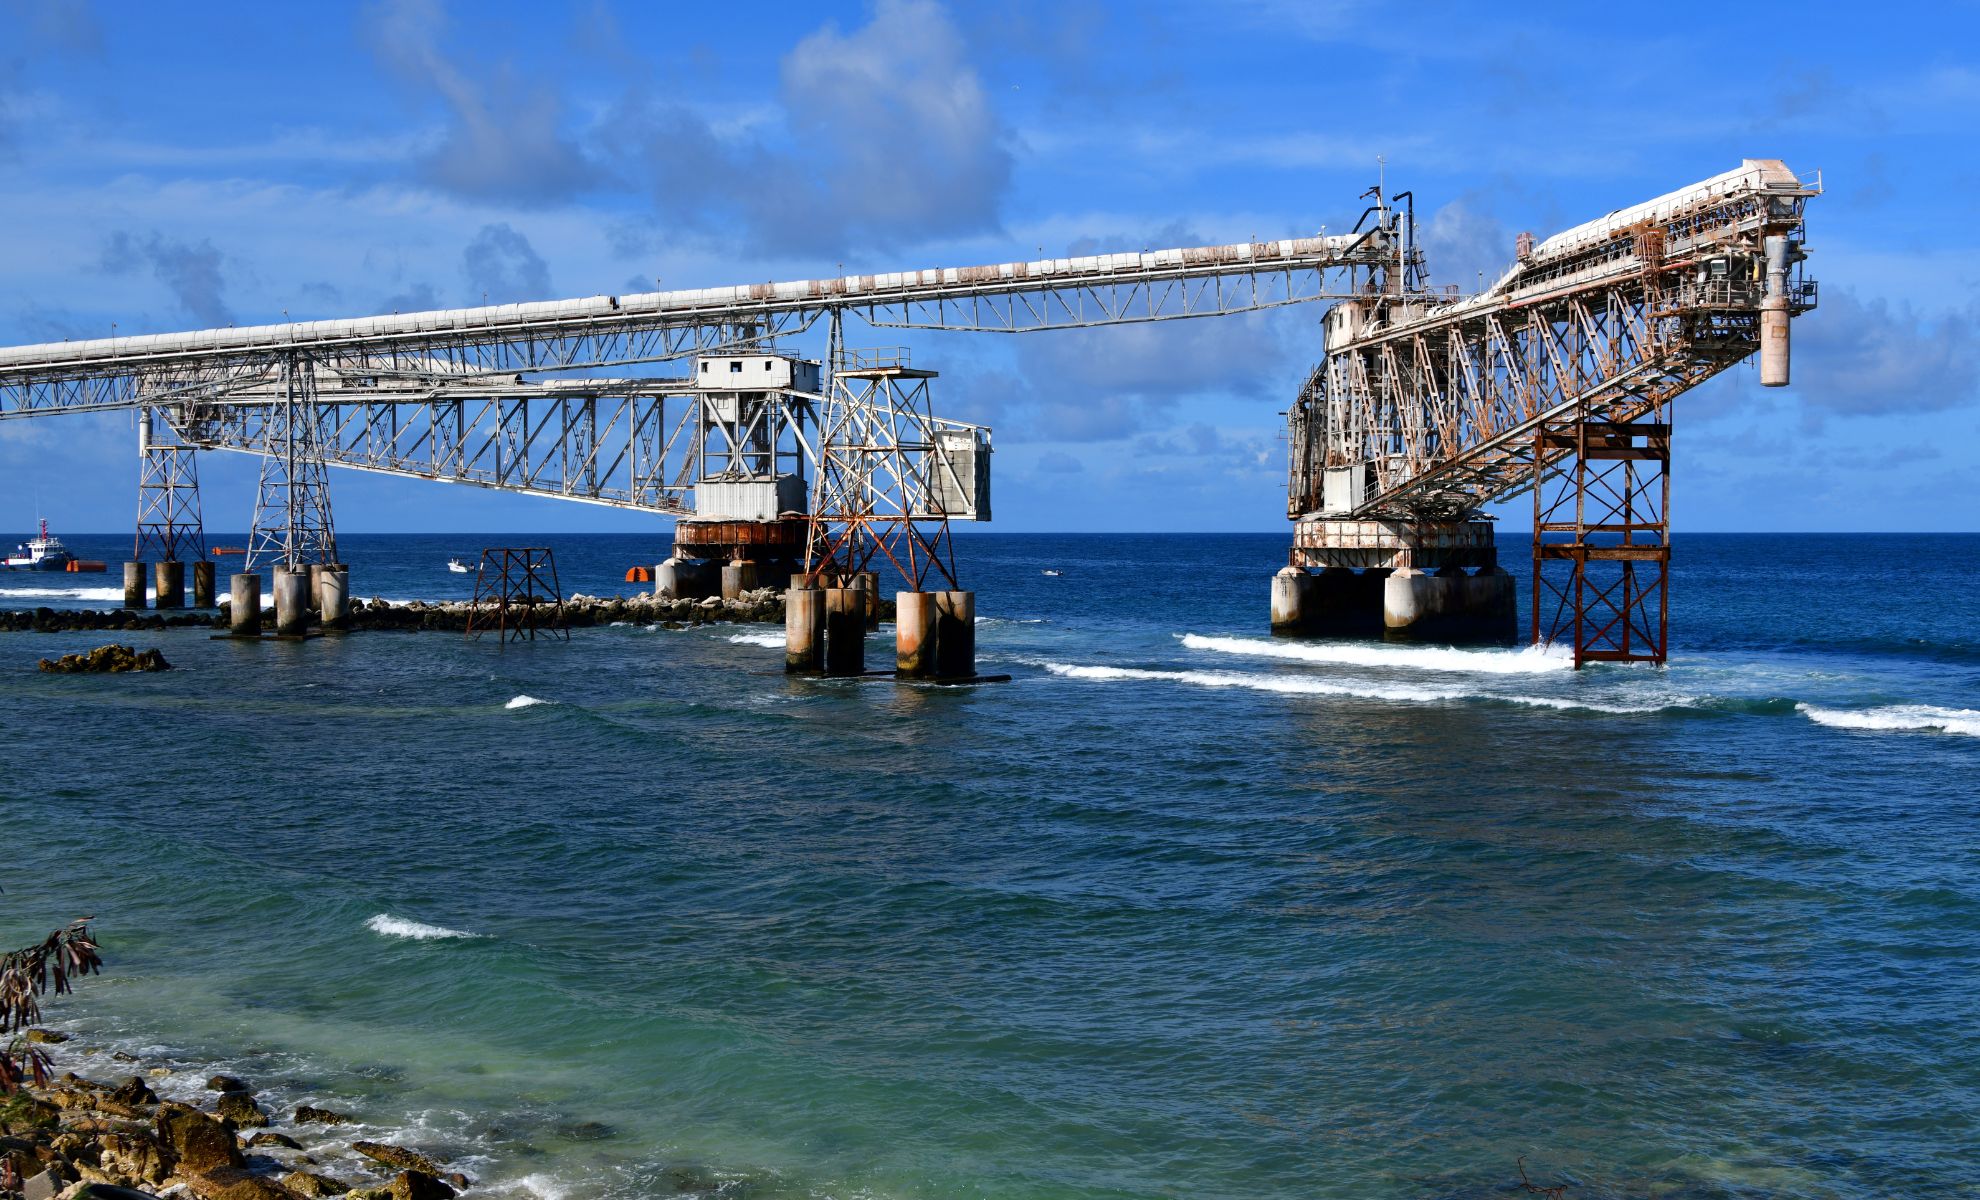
1292	593
244	614
915	637
169	580
1408	596
315	599
804	630
336	602
203	584
845	631
869	582
955	634
737	578
666	579
134	589
291	600
1492	602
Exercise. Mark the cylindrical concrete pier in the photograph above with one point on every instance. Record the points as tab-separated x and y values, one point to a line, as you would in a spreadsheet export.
869	582
738	577
336	605
169	582
955	634
291	600
667	579
845	631
914	634
316	585
804	630
1292	590
244	614
203	583
134	589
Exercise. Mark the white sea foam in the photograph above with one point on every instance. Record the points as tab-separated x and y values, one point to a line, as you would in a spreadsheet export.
1306	685
399	927
525	702
771	640
1531	660
1897	718
68	593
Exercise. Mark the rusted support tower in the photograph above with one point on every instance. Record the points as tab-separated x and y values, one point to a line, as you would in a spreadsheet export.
516	594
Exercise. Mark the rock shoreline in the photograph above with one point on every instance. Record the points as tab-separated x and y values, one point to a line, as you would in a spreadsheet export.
92	1139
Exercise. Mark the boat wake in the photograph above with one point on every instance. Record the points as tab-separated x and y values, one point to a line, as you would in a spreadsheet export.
1529	660
1897	718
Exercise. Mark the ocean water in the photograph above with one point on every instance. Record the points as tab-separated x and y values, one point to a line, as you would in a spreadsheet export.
1183	910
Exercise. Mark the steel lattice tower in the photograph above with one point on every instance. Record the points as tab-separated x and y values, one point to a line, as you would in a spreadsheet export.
292	523
168	522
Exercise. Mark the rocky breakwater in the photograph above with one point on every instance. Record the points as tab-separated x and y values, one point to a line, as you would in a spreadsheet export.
763	606
84	1139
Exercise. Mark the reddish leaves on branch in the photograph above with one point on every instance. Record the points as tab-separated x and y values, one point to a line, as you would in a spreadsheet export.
26	975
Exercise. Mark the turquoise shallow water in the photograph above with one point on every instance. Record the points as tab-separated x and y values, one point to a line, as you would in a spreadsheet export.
1181	911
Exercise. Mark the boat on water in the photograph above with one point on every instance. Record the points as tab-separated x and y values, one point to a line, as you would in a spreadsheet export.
1049	571
458	567
44	553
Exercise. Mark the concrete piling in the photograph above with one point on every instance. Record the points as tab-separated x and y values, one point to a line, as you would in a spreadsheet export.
845	631
134	589
1410	596
738	577
244	614
869	583
915	639
1292	594
169	582
955	634
202	584
316	585
291	601
804	631
335	603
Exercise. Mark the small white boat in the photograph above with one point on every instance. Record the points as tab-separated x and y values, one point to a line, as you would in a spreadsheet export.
1051	572
458	567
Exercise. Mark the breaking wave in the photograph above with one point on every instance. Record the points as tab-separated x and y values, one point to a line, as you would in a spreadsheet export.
1301	685
1530	660
399	927
1904	718
526	702
769	640
115	594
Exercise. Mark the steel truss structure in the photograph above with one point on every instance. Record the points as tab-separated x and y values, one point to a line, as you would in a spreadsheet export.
887	481
168	523
600	441
292	524
1427	410
1606	520
516	594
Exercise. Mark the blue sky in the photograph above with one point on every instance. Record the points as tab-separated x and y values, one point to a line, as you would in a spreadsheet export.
164	167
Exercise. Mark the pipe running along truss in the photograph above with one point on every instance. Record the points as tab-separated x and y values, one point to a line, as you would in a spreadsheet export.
1558	379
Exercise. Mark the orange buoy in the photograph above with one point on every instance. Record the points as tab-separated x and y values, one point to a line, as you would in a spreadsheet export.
639	574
